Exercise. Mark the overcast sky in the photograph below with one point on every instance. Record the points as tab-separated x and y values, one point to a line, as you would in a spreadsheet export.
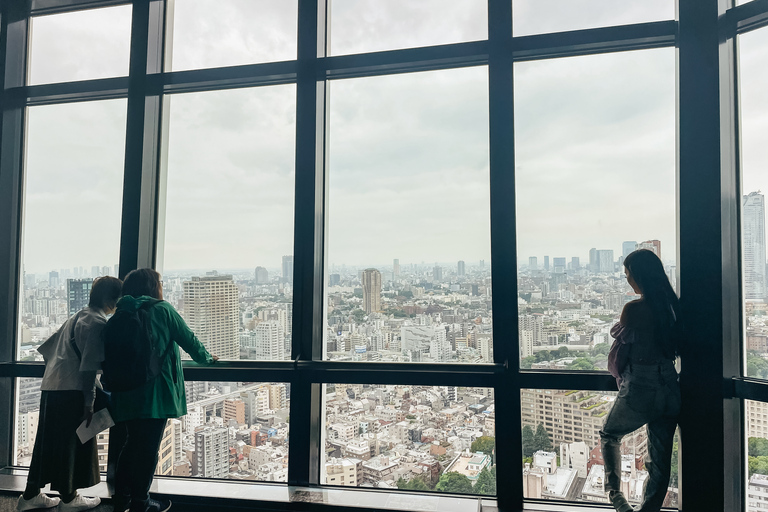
408	154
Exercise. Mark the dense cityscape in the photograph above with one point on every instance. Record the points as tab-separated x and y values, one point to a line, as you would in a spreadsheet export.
406	437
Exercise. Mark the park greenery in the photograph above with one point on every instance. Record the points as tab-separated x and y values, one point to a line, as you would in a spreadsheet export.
593	359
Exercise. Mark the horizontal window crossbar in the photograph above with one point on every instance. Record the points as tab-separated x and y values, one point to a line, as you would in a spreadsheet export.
747	17
69	92
588	381
485	375
42	7
748	389
271	73
641	36
405	61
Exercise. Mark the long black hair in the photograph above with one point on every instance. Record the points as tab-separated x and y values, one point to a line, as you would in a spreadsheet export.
648	272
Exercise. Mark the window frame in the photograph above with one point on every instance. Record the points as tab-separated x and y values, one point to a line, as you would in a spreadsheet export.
708	188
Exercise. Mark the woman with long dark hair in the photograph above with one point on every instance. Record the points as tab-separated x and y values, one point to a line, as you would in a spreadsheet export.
642	361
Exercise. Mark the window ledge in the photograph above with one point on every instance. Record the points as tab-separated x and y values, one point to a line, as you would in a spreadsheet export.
238	495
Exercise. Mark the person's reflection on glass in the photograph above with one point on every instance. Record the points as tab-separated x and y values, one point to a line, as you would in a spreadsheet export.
642	361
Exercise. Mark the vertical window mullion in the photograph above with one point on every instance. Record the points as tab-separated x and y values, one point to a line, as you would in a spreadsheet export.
308	268
504	254
142	142
707	197
13	71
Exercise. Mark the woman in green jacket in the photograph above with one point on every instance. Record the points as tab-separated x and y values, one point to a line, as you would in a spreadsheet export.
143	412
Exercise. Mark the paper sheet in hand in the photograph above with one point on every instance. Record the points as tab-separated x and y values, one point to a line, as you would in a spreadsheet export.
102	420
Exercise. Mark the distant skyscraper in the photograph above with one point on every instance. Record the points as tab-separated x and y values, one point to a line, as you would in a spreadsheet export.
546	263
105	271
53	279
605	260
396	268
651	245
753	245
558	264
575	264
627	247
371	290
462	269
95	271
287	269
212	311
533	263
334	279
437	273
78	294
261	275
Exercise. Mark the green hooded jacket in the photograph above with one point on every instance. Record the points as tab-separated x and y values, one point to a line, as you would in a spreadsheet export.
162	397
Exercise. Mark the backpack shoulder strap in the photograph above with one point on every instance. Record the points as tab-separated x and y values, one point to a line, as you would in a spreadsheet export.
72	341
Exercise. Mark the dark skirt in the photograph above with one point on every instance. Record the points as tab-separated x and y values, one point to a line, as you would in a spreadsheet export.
58	457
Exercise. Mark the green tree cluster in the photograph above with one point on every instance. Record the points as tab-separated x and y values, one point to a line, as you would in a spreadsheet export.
486	482
453	482
483	444
757	450
535	441
414	484
756	366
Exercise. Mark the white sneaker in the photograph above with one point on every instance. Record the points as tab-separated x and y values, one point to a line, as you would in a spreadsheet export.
79	503
39	501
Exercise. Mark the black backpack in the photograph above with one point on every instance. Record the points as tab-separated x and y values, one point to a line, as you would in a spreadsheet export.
130	358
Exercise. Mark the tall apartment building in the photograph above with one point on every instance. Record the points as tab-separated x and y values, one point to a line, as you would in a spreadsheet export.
437	273
267	341
256	403
753	245
278	396
288	269
234	409
396	268
462	269
78	294
568	416
651	245
533	263
757	419
212	451
371	290
165	455
211	309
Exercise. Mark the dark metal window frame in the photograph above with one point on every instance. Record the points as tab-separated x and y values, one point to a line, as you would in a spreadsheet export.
708	209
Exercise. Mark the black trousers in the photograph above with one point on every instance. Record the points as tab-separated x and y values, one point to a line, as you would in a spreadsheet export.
137	460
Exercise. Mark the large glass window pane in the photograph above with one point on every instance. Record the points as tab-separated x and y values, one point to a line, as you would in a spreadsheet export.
72	210
359	26
753	52
562	456
545	16
409	219
232	430
228	259
423	438
218	33
595	175
80	45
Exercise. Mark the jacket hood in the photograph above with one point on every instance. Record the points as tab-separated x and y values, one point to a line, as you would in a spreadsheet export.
133	303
